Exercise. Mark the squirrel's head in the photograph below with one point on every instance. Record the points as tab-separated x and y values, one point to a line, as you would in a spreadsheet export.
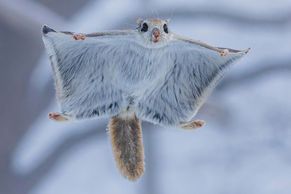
153	31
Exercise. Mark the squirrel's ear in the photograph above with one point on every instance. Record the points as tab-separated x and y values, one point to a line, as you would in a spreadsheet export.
139	21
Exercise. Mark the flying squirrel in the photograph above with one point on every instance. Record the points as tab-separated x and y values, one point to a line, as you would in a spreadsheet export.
148	73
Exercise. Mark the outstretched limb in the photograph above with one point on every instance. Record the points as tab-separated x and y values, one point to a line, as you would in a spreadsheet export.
79	36
57	116
192	124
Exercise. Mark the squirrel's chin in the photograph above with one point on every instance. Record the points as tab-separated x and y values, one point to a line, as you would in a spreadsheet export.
155	40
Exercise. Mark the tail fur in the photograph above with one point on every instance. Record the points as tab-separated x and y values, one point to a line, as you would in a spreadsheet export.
126	139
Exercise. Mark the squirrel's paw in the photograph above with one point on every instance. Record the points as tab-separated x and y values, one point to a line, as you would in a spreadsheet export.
57	116
192	124
79	36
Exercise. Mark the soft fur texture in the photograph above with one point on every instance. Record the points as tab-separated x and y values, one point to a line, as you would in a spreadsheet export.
127	145
107	74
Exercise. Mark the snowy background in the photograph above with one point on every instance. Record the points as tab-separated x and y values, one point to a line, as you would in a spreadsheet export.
245	146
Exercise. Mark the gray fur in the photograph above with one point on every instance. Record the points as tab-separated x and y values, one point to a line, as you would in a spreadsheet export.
114	72
192	74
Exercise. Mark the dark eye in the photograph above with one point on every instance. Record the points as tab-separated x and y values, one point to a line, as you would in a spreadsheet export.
144	27
166	28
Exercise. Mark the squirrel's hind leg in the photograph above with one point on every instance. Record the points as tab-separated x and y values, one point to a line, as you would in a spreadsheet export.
58	116
192	124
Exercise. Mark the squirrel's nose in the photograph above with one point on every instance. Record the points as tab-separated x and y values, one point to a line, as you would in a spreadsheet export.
156	32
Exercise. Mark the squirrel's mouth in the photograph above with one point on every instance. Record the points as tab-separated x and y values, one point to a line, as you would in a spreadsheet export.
155	40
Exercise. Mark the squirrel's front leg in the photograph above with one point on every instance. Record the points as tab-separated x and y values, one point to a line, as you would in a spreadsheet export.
79	36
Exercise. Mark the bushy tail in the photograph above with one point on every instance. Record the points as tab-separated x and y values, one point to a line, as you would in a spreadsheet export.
127	145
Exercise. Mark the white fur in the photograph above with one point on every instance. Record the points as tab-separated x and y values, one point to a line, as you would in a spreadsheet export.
163	83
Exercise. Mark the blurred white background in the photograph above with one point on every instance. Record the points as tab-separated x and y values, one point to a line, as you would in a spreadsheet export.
244	147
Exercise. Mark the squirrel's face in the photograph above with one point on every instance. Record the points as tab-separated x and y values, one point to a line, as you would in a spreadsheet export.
154	31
